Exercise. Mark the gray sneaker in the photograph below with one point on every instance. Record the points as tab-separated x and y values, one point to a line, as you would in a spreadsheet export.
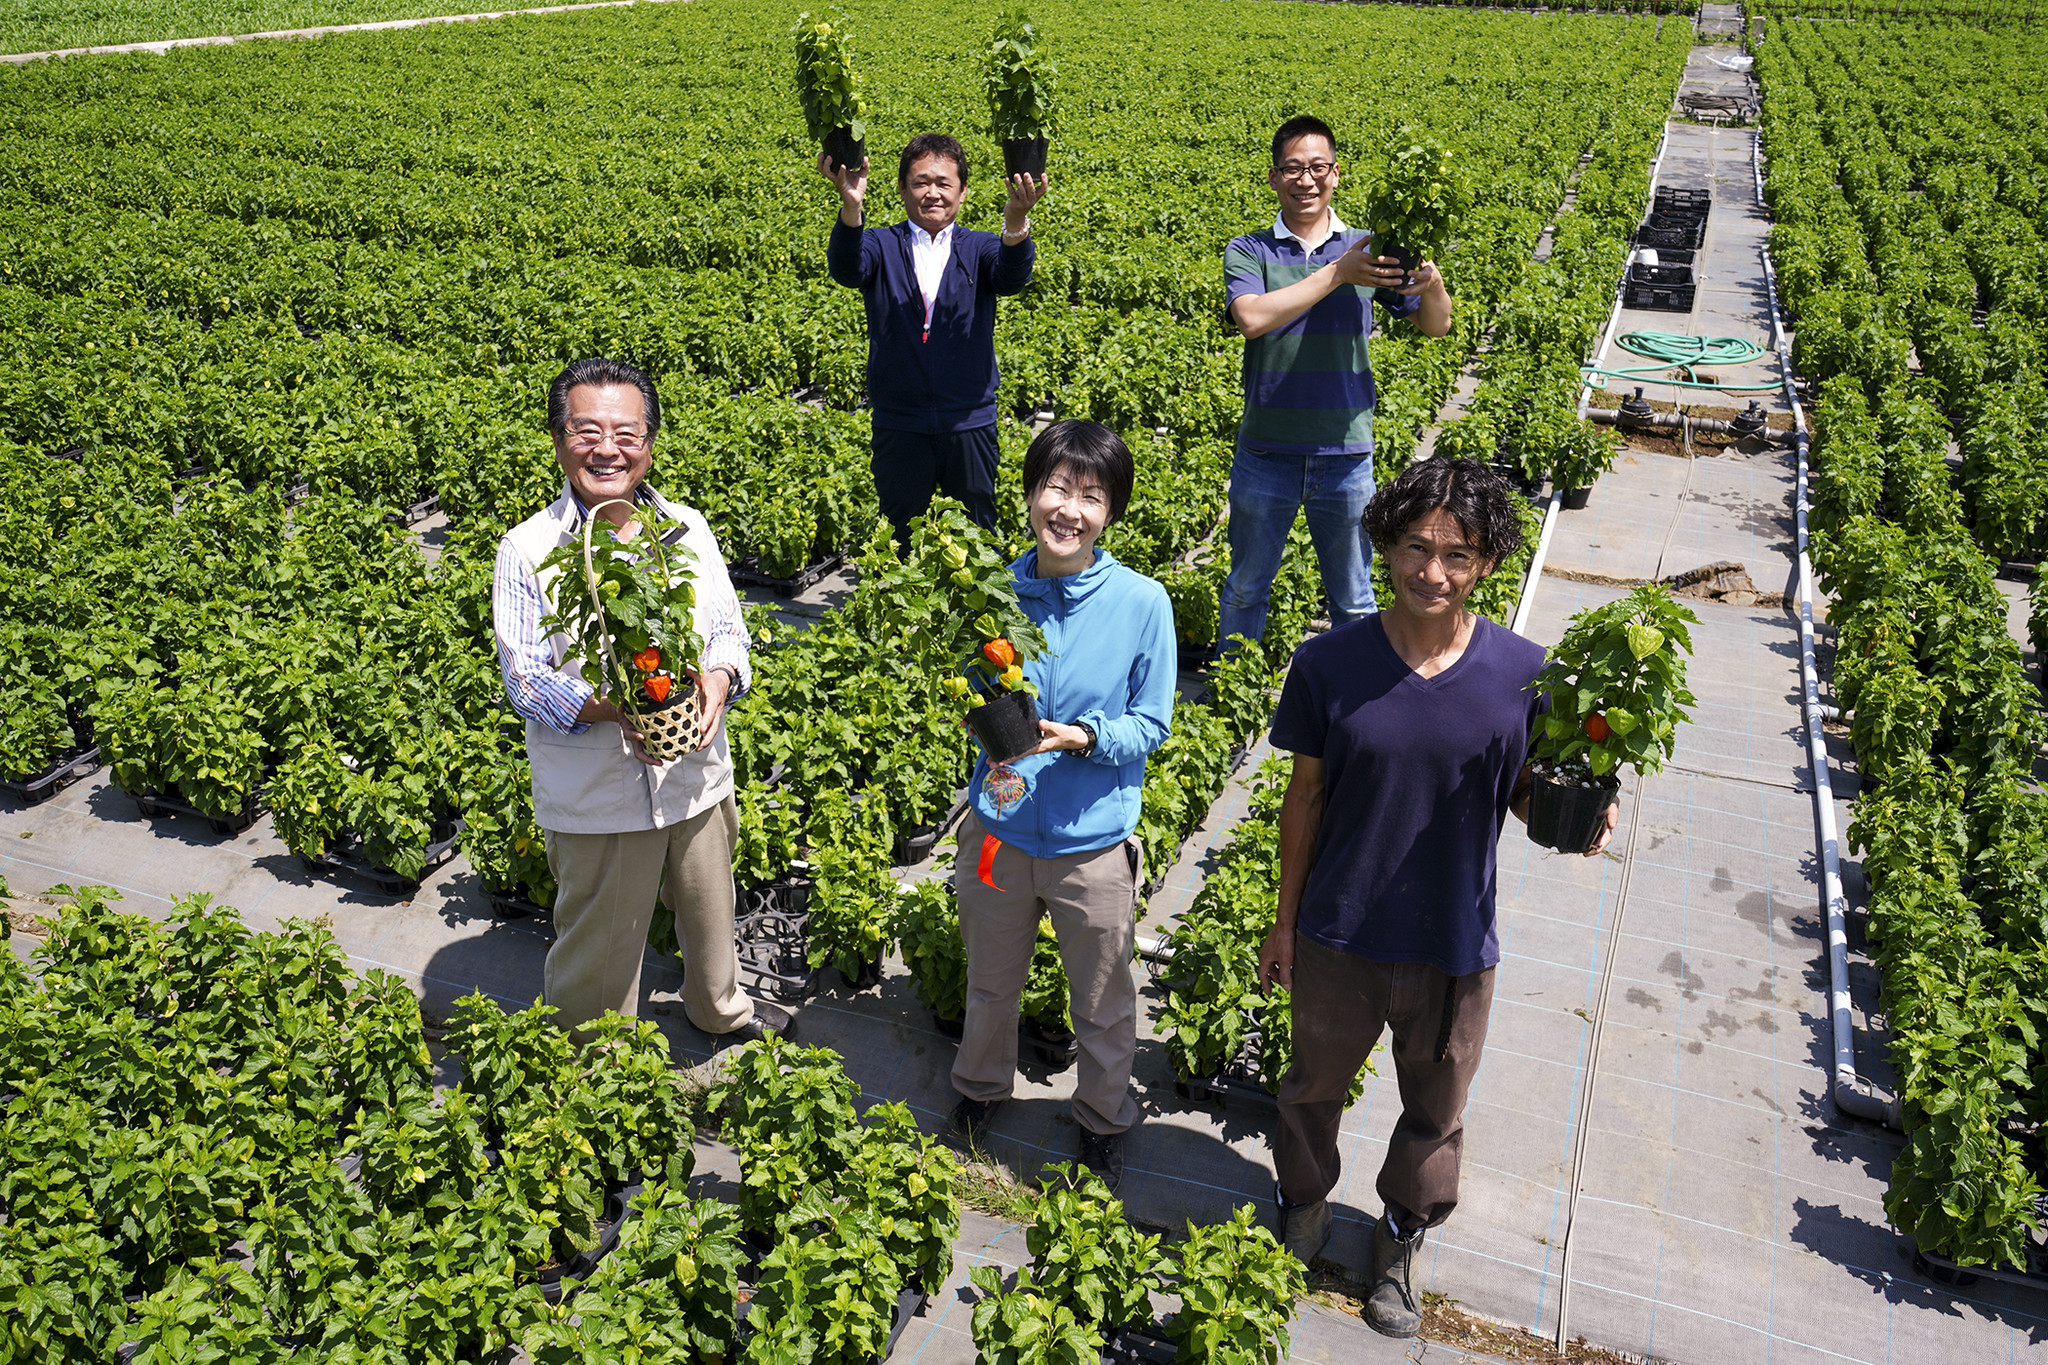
1304	1228
1391	1308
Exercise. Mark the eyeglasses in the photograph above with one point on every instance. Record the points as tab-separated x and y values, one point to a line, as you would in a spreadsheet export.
583	440
1314	170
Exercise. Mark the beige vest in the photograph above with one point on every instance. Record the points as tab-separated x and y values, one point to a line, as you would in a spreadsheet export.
591	783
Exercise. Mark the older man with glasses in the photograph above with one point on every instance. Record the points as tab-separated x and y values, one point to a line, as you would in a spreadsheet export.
621	828
1302	293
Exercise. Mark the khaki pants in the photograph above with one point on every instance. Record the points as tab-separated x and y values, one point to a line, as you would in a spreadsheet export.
1090	897
1340	1003
607	886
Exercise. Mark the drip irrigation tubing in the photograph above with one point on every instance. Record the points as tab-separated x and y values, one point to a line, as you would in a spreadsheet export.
1675	350
1583	1125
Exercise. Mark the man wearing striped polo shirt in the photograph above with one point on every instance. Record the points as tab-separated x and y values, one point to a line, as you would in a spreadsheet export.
1302	292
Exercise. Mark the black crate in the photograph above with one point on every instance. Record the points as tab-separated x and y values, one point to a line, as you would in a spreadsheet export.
1682	203
1671	255
156	805
1661	233
68	767
1677	298
345	857
1661	275
748	574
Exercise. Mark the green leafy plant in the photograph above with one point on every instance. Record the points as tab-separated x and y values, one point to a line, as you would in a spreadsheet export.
1420	200
638	633
627	1101
1025	1326
1086	1256
826	83
910	1183
1237	1289
1616	683
1020	80
926	931
827	1291
789	1112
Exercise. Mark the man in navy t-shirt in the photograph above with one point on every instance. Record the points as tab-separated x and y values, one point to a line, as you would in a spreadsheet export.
1410	734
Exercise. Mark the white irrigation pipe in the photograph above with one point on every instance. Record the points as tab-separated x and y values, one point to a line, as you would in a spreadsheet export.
1535	574
1847	1088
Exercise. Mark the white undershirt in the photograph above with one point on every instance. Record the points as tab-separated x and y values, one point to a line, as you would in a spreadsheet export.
929	255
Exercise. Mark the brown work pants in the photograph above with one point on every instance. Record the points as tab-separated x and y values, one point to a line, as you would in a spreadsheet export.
1090	897
607	888
1340	1004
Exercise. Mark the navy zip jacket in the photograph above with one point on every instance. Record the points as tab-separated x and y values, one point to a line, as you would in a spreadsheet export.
945	381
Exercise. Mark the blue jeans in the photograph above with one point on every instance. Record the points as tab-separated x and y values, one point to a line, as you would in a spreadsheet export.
1265	492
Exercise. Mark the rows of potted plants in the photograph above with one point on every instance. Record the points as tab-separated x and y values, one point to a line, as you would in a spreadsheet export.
1945	722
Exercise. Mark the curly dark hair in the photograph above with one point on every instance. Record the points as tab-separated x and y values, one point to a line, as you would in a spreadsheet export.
1474	495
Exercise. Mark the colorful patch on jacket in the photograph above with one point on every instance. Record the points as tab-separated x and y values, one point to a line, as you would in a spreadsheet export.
1005	789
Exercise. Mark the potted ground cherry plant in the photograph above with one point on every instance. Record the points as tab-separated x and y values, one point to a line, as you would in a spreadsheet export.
952	601
626	607
1616	684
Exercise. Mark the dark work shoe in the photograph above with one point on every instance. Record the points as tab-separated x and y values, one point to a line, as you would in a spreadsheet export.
1103	1153
970	1119
1391	1308
767	1019
1304	1228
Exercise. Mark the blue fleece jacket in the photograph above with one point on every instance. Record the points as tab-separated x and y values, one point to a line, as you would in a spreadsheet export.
944	380
1110	661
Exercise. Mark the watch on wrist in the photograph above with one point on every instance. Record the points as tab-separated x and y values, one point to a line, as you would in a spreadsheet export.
1088	730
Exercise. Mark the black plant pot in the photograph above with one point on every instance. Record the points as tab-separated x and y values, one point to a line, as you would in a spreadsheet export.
951	1025
842	148
1568	818
870	976
1575	499
1408	259
1023	156
1006	724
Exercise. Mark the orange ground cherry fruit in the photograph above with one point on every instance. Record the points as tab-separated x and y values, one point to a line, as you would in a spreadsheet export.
999	652
1597	728
658	686
647	660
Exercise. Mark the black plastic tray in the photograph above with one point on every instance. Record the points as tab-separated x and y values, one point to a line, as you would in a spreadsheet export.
1660	274
1681	203
1676	298
342	857
1663	233
916	845
68	767
1137	1346
509	904
413	513
748	573
156	805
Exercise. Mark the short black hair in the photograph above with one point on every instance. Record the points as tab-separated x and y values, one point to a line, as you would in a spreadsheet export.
1476	497
1091	450
930	144
601	373
1302	125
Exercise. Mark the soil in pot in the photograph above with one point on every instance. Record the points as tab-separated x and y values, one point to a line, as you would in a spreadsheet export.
1566	817
1023	156
1006	724
844	149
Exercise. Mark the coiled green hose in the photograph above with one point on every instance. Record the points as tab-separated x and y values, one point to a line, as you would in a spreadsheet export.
1674	350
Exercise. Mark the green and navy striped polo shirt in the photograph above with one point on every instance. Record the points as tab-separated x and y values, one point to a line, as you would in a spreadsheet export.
1308	386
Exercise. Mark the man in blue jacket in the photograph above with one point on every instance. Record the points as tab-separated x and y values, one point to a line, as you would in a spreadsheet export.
931	289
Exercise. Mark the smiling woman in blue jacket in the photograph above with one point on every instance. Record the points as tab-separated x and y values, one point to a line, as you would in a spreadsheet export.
1050	831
